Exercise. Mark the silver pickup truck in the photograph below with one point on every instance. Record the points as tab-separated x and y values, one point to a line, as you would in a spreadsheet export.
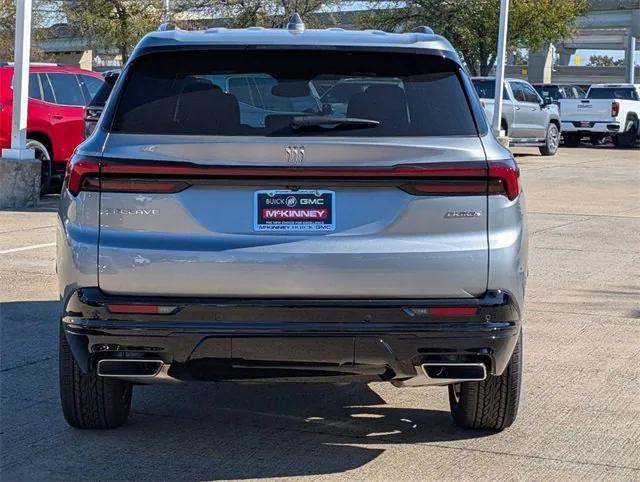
527	119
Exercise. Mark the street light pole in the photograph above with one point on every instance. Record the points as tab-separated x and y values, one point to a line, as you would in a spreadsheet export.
20	84
167	10
502	47
631	59
19	169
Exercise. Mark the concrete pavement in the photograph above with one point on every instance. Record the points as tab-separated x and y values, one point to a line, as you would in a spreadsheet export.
580	411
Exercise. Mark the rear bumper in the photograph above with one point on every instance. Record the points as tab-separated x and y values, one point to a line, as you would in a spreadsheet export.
594	127
230	339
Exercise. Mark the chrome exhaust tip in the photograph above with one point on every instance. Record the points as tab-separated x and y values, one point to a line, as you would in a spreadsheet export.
444	373
449	373
127	368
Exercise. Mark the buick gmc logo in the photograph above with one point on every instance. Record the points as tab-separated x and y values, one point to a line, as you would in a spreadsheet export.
294	154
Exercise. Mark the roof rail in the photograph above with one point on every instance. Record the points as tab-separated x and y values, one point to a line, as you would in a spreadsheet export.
424	29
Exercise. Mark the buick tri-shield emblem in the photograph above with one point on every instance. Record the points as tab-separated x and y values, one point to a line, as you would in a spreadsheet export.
294	154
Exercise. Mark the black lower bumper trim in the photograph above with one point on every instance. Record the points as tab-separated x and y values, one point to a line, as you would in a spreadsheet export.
248	339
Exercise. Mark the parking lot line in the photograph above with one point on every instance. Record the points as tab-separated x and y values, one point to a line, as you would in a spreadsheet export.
26	248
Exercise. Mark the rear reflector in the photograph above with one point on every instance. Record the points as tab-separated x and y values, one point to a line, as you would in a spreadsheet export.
442	311
453	311
142	309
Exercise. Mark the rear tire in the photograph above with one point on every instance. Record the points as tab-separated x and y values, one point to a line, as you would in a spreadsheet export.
551	141
628	139
89	401
493	403
571	140
46	171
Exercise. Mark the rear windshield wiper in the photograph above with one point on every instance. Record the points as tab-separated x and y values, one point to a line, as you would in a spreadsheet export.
302	121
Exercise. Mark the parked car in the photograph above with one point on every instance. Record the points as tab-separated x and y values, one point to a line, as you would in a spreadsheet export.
375	244
57	96
261	96
94	109
555	92
527	119
608	110
336	94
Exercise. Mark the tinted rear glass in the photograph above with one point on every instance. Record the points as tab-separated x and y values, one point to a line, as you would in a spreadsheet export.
66	88
91	84
100	98
613	93
549	91
486	89
34	87
263	92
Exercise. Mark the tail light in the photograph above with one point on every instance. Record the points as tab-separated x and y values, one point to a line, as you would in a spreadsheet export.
473	178
79	172
85	175
615	109
504	178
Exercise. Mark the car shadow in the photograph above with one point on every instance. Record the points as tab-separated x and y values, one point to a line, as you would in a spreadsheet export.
200	431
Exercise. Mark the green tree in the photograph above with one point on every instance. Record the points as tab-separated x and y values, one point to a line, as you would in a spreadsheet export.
520	58
604	61
472	25
249	13
115	24
120	24
8	29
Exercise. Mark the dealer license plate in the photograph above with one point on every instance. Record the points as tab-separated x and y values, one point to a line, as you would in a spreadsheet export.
286	210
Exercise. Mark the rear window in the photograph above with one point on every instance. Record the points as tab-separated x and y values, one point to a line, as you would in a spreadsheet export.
67	89
627	93
266	93
101	96
550	91
486	89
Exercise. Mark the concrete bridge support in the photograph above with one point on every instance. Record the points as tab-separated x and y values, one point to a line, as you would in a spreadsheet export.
540	66
630	54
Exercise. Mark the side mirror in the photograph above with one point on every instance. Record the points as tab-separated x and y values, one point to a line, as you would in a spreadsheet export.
546	101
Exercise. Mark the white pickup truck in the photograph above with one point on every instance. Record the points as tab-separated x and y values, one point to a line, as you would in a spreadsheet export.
608	110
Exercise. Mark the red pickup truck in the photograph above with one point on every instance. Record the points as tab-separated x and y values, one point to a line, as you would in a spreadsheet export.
55	121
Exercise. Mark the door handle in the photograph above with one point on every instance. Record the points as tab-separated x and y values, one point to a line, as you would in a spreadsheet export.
58	116
517	108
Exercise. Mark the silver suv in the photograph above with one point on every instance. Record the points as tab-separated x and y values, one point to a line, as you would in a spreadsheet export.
378	238
527	118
